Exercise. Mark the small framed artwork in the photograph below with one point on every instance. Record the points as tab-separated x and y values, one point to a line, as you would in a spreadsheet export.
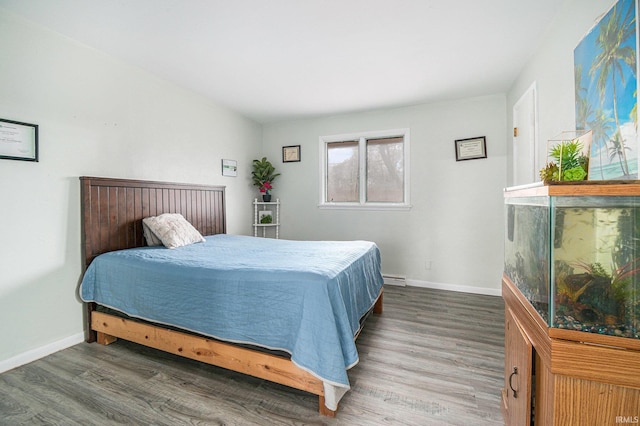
290	154
229	168
18	141
471	148
265	217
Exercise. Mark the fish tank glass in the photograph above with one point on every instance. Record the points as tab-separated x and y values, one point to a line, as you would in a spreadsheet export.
576	259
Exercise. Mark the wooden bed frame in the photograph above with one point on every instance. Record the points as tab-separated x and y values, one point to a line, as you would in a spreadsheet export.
112	213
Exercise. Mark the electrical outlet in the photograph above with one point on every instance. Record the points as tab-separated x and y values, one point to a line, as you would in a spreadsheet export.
427	265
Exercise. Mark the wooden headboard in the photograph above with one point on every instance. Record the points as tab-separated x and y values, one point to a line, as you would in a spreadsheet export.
113	209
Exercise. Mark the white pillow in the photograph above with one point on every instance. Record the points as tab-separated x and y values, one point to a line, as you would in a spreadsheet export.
152	239
172	229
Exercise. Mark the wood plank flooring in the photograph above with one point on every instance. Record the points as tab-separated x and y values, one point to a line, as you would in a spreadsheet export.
432	358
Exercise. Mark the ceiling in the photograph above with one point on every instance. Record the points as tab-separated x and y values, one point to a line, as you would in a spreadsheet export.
274	60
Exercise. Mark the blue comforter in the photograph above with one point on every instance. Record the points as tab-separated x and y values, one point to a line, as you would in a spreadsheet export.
303	297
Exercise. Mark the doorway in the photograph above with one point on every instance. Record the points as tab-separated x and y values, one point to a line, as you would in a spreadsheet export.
525	138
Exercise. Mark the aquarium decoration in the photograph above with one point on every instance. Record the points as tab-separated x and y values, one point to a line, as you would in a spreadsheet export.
594	298
568	157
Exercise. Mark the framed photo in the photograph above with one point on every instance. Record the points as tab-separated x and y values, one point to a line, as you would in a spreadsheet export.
229	168
290	154
471	148
18	141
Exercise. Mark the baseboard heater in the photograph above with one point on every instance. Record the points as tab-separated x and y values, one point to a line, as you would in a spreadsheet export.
395	280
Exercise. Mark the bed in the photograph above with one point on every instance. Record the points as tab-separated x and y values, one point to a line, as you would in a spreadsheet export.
207	325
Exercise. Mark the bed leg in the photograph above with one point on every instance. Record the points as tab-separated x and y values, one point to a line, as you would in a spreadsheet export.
91	334
324	411
105	339
377	308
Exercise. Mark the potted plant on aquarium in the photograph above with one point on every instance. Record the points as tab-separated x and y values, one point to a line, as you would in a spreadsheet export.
263	175
569	163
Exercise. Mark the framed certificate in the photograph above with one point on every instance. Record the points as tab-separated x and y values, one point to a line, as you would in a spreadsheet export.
290	153
18	141
471	148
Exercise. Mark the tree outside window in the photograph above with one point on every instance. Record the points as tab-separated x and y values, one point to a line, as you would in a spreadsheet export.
368	170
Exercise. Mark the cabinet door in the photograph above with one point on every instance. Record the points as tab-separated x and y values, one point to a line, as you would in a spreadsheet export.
516	394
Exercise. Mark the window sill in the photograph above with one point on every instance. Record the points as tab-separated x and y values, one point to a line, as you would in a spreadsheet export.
370	206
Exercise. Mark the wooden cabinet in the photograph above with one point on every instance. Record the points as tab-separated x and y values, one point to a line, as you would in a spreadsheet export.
565	377
571	287
516	394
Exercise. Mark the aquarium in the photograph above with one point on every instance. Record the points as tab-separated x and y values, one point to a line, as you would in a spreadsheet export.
576	259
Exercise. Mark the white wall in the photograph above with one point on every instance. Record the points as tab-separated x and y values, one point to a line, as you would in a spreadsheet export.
97	117
101	117
551	67
456	220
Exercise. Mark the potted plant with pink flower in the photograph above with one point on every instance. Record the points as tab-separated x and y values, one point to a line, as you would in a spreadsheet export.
263	175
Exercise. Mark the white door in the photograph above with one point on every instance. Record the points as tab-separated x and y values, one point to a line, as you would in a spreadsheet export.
525	167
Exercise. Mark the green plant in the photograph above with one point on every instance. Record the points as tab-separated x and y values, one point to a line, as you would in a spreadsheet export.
570	164
567	154
623	276
615	289
263	175
598	270
574	173
266	219
549	173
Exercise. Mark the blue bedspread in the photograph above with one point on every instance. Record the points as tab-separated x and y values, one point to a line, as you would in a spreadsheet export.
303	297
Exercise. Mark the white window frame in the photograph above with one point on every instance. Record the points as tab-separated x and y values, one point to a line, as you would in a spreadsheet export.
362	137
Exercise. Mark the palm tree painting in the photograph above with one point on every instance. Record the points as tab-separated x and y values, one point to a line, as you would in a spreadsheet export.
605	72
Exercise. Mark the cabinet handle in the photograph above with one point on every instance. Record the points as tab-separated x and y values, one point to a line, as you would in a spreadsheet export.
515	392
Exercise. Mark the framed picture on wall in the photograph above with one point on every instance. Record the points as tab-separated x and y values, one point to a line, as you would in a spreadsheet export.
18	140
471	148
290	154
229	168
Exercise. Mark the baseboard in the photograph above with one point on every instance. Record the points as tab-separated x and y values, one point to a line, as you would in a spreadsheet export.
455	287
398	280
41	352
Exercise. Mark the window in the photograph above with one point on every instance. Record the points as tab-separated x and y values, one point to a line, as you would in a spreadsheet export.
369	170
